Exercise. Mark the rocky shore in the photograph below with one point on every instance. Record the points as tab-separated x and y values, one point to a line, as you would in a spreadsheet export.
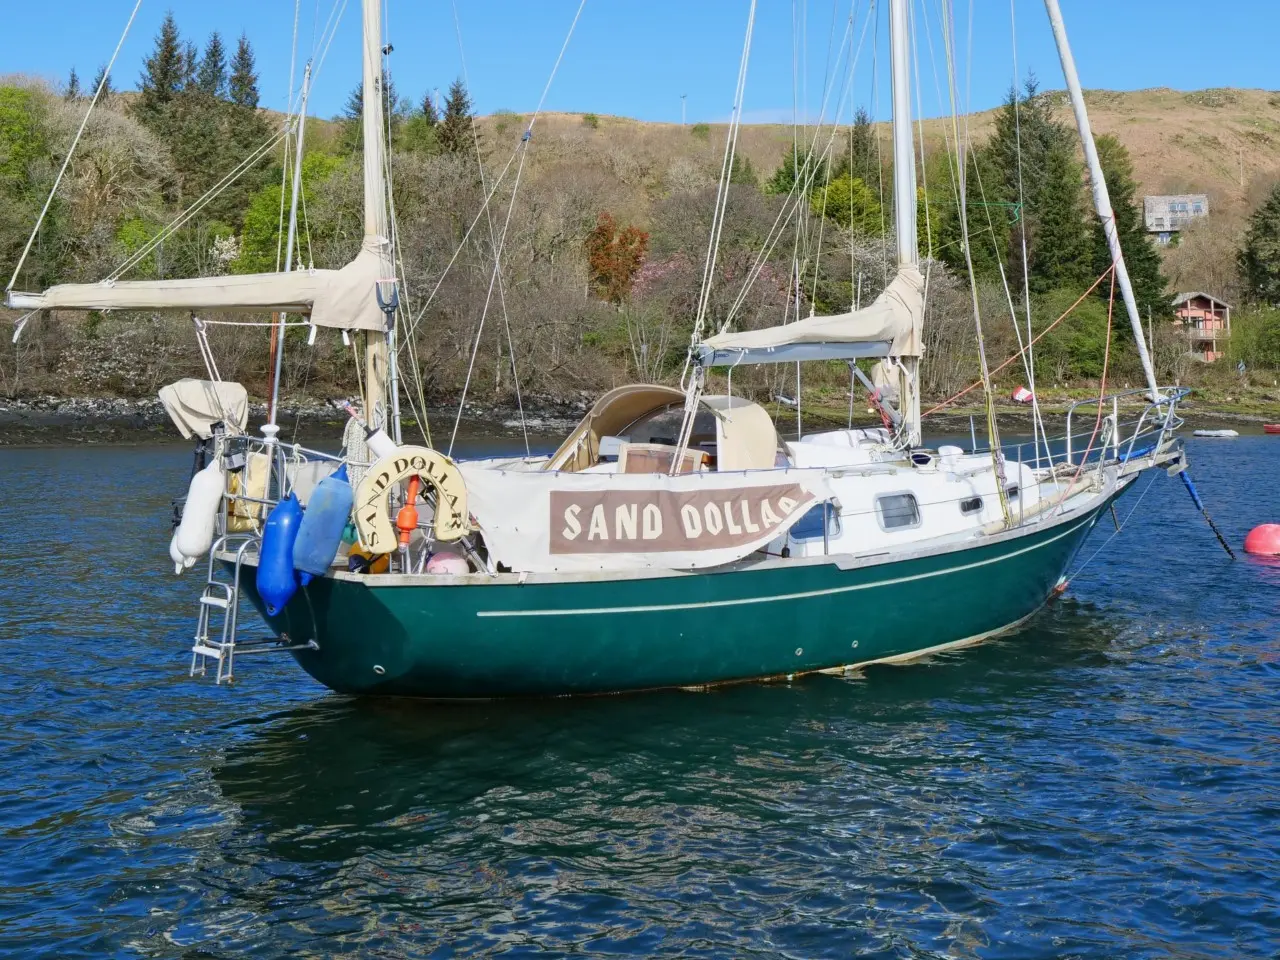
58	420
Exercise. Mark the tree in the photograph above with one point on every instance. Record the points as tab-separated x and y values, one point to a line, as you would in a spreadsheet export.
811	171
351	135
1060	257
456	126
614	257
743	172
1140	254
848	201
162	78
242	88
430	115
211	76
862	158
101	79
1260	259
73	86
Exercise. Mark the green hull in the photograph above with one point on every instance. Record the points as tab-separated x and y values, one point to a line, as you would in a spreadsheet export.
483	637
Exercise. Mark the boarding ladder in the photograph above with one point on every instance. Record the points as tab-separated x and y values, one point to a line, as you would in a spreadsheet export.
222	598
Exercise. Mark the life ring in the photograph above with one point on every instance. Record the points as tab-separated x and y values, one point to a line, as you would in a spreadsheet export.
372	506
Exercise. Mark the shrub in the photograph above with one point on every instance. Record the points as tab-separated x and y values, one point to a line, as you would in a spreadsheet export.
591	120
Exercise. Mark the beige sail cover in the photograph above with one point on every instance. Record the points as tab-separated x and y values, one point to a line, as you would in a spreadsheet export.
894	317
343	298
195	406
549	522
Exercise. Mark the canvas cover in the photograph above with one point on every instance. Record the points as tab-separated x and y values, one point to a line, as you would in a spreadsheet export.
549	522
195	406
889	326
342	298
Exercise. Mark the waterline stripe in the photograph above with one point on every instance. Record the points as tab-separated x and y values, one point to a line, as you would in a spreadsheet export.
585	611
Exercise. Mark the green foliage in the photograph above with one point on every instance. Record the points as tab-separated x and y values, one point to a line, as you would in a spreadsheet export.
1060	257
456	131
242	87
211	75
862	157
163	77
811	171
260	238
1076	348
743	172
700	131
73	86
1260	259
591	120
849	202
100	79
1141	256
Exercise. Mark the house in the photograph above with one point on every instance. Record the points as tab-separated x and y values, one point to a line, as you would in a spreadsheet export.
1206	322
1165	216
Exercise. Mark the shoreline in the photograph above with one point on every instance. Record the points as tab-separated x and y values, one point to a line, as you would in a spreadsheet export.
52	420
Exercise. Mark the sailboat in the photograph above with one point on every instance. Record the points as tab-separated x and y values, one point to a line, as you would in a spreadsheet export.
673	539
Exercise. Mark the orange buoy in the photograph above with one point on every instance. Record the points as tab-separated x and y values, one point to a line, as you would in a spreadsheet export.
1264	540
407	517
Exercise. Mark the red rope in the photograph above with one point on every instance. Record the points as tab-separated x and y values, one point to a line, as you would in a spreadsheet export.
1070	310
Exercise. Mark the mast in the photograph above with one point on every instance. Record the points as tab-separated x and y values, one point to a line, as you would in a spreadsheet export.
375	206
904	189
1101	195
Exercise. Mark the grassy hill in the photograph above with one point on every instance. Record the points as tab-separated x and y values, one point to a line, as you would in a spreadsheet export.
1217	142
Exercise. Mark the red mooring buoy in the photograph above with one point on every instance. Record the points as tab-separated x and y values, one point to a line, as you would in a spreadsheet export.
1264	540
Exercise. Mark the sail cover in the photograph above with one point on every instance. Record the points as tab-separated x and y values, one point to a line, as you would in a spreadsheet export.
342	298
549	522
888	327
195	406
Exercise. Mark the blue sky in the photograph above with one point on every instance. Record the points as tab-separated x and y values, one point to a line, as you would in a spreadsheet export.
635	58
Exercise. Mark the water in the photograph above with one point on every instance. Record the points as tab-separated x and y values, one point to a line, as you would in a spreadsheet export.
1104	783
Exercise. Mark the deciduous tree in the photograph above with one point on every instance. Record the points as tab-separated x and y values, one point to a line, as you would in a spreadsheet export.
615	257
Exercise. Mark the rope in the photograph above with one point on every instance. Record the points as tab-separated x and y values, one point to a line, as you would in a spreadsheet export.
106	73
977	383
1129	516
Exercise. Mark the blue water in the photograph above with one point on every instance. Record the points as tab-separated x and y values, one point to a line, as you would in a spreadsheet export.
1104	783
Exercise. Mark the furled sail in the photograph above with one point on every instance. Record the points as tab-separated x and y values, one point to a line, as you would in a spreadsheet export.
343	298
888	327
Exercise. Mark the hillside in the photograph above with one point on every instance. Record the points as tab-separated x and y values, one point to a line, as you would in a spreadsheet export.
1208	141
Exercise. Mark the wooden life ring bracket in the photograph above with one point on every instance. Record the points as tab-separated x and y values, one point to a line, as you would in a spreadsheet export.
372	504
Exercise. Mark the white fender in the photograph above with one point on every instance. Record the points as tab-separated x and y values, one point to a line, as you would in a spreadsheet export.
179	561
195	532
372	511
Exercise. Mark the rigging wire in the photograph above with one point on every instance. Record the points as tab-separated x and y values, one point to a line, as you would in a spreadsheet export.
75	142
523	151
993	433
502	293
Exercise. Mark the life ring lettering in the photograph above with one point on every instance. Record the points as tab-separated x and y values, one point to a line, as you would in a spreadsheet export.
372	513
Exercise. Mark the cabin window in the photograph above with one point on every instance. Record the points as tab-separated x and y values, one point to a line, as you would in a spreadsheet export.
972	505
1012	492
809	527
898	511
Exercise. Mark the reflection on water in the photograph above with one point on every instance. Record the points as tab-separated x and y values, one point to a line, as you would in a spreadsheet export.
1102	784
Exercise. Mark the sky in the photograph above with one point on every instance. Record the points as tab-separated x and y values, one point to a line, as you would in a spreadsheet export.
638	58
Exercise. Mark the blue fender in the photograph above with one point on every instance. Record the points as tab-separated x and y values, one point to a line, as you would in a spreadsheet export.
276	582
320	533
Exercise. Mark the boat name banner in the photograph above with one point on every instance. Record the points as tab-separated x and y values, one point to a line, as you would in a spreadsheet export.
549	522
659	521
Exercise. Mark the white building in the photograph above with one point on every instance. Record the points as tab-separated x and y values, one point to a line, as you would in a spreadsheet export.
1166	216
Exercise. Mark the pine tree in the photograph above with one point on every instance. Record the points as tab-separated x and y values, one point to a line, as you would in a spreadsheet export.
430	115
190	65
813	173
455	130
1140	254
73	86
1260	259
1061	255
242	88
351	137
101	79
861	159
211	77
162	78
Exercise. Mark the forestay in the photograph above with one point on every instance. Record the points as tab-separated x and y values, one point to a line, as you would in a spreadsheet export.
549	522
888	327
343	298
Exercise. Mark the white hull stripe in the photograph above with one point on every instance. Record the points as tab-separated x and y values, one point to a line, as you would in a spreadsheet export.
655	608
